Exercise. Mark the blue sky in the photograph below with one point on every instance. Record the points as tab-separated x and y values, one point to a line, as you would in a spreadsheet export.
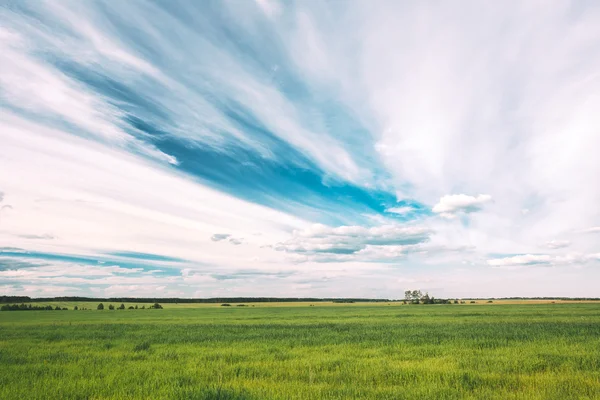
265	148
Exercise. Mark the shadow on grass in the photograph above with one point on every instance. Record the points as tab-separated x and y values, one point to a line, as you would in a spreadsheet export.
144	346
215	394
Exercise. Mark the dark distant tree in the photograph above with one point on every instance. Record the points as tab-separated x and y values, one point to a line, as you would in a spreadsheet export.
75	308
413	296
58	308
121	307
416	295
143	307
111	307
426	299
156	306
100	306
130	307
9	299
65	308
136	307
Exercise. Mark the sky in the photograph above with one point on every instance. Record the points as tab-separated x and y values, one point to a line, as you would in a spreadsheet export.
299	148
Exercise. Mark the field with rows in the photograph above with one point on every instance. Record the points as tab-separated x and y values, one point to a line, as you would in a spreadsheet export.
301	351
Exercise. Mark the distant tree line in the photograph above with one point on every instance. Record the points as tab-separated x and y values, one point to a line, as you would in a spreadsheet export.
14	299
122	307
25	299
29	307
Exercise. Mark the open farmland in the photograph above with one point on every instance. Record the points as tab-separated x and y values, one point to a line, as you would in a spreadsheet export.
341	351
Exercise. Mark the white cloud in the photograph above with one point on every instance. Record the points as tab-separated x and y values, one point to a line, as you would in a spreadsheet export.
40	290
594	229
400	210
558	244
542	259
346	243
106	199
141	291
217	237
450	205
525	259
45	236
41	269
511	116
236	241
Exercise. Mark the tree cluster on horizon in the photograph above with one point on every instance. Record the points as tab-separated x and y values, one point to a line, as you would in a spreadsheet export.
155	306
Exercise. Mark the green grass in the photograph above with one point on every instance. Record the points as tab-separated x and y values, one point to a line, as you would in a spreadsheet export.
354	351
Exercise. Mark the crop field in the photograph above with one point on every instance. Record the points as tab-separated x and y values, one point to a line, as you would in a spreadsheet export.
325	351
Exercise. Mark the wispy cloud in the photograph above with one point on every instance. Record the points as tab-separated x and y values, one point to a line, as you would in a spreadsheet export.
558	244
354	242
542	259
400	210
45	236
219	236
594	229
450	205
525	259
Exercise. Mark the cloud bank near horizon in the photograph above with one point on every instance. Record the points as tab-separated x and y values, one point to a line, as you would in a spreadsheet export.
299	149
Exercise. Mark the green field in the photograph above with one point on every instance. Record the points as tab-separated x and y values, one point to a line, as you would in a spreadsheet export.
342	351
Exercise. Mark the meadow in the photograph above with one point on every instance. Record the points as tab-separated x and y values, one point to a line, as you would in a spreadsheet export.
299	351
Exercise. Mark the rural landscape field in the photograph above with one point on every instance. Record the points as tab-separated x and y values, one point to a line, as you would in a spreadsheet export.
299	200
303	351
